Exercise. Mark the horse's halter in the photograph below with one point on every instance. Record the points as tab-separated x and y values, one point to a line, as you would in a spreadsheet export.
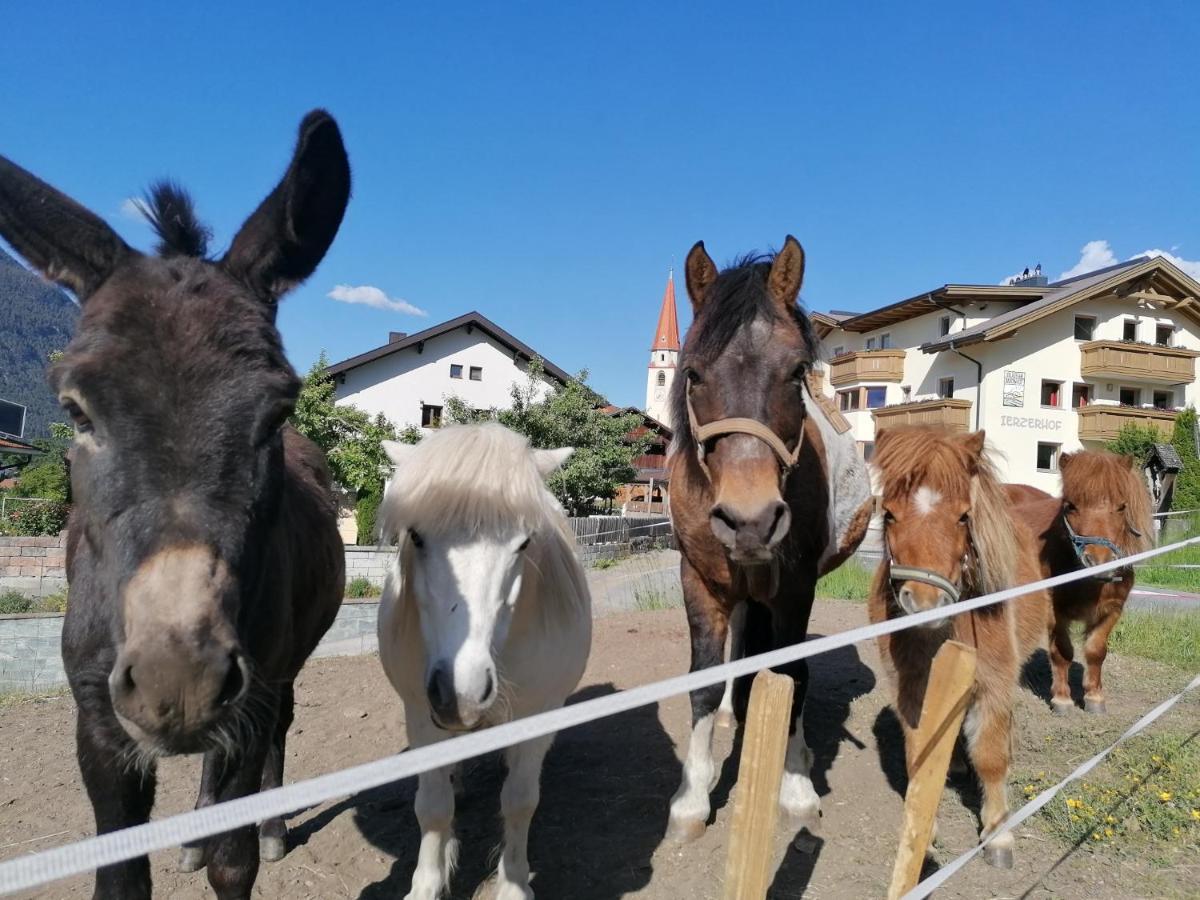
1080	543
898	573
736	425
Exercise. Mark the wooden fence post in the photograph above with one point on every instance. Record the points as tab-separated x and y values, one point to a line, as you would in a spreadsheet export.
951	683
760	772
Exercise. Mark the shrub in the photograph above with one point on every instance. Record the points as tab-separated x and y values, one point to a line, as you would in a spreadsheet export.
34	518
359	588
366	513
54	602
14	602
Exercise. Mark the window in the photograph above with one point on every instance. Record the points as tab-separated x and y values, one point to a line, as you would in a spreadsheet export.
477	373
1131	396
455	371
1081	395
1130	330
876	397
431	416
1085	327
945	388
870	343
1162	334
1047	457
661	379
943	326
1051	393
839	350
1164	400
848	400
885	340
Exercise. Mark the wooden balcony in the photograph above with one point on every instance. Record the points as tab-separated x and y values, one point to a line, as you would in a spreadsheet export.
1102	423
946	411
867	365
1143	362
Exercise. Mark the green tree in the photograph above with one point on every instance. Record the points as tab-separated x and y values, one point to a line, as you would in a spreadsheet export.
1136	441
1187	482
571	415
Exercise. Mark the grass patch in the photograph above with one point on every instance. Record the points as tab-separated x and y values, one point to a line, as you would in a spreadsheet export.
1165	636
1143	802
360	588
605	562
16	698
14	602
649	599
850	581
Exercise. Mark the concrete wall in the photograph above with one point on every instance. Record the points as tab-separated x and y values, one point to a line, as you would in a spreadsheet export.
369	562
35	566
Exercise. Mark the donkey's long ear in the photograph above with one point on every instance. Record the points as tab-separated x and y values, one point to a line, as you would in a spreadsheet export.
700	272
787	273
287	236
66	242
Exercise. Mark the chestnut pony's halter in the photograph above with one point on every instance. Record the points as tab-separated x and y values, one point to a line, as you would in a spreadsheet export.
898	573
1080	543
737	425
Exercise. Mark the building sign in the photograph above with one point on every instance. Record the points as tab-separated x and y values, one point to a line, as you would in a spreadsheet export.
1037	422
1014	388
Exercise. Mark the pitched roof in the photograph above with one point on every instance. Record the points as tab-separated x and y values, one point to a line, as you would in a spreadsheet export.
20	448
666	335
1062	294
469	321
931	300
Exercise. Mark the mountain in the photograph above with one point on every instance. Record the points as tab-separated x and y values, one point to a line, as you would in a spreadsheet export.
36	318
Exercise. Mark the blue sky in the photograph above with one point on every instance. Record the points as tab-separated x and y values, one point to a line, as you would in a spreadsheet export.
546	163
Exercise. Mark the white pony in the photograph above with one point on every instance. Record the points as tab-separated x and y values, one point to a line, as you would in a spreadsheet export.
486	617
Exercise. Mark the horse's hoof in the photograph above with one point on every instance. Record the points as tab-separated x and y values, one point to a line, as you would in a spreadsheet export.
1061	707
1095	706
272	849
725	718
1000	857
191	859
684	831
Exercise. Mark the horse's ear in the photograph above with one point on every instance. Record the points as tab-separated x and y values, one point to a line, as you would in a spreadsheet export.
58	237
398	453
1130	460
700	272
549	460
973	442
285	239
787	273
1064	460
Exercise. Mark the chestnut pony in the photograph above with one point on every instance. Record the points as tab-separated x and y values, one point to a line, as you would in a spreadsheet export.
1104	514
755	508
948	536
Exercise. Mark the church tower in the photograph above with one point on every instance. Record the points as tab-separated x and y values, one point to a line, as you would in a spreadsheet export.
664	355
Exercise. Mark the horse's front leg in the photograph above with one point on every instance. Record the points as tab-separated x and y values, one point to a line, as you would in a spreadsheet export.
518	801
988	727
1061	654
191	856
737	649
233	856
122	794
272	834
708	621
1095	649
798	798
434	806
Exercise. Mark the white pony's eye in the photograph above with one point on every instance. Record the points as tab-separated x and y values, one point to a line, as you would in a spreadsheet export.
524	544
416	538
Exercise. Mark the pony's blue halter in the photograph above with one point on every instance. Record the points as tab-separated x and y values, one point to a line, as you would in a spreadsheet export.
1080	542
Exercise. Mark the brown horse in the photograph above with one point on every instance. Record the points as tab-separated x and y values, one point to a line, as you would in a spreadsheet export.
948	536
754	503
1104	514
203	551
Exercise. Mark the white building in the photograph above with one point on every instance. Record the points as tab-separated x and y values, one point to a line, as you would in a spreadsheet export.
409	378
1044	368
664	357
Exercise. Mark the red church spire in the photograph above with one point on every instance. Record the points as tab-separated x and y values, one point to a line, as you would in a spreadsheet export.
666	335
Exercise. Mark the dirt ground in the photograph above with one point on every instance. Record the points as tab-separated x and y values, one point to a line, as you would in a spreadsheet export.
599	831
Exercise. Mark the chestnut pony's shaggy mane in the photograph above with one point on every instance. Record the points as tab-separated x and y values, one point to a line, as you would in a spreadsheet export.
917	456
1099	478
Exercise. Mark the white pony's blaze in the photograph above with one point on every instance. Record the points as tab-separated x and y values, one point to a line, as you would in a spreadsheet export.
485	618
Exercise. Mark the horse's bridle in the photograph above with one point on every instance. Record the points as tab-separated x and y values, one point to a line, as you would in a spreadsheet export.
737	425
1080	543
897	573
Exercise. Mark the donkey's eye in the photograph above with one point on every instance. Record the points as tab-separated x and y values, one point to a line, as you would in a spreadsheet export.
83	424
415	537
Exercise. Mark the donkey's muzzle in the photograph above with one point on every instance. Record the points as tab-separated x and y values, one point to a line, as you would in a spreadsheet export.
174	696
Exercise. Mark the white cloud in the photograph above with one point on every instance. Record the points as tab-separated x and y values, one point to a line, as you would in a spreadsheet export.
1094	255
133	208
369	295
1190	266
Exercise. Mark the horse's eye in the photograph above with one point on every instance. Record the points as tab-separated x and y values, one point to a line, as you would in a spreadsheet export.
1121	508
415	537
83	424
692	375
1070	507
888	517
964	518
524	544
800	372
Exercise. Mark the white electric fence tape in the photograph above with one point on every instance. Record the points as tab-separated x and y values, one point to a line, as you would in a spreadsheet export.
938	878
43	867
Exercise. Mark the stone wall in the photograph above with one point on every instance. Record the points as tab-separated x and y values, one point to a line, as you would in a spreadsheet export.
35	566
371	563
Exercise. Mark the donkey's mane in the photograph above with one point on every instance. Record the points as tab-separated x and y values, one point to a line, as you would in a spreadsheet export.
479	476
172	214
915	457
736	298
1097	477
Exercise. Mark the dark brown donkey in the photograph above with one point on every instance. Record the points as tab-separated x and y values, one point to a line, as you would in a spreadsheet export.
751	497
203	553
1104	514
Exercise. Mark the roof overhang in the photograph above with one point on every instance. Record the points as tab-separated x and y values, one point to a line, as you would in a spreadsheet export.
937	299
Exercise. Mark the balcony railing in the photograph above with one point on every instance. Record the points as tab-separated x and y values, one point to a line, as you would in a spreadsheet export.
1098	422
1144	362
867	365
946	411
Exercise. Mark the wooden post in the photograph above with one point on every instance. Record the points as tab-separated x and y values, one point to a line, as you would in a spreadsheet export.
760	772
951	683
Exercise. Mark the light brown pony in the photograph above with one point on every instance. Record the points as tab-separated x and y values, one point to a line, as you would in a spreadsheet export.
948	535
1104	505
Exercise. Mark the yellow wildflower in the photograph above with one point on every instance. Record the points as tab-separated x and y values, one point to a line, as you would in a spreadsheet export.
1156	758
1073	803
1096	836
1164	796
1196	814
1110	819
1108	832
